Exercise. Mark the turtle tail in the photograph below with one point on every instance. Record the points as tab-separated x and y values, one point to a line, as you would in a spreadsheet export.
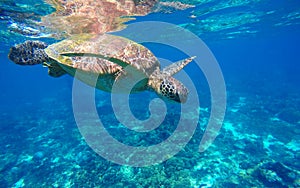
29	53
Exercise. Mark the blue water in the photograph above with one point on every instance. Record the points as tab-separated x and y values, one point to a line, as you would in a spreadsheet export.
257	146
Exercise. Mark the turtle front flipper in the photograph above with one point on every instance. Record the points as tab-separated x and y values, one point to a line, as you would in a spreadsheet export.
29	53
176	67
111	59
129	68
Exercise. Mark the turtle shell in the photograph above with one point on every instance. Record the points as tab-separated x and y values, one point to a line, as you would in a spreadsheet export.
106	58
103	54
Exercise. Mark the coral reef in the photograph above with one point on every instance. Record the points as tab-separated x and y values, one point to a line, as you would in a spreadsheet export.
51	151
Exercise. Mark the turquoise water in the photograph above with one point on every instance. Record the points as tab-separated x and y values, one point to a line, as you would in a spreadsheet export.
256	44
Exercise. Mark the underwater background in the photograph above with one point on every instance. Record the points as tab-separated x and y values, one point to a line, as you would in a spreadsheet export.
257	46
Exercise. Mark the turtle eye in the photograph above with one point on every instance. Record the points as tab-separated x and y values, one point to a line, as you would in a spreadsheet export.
173	90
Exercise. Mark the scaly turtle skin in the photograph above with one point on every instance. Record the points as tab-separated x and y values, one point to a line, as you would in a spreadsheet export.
112	59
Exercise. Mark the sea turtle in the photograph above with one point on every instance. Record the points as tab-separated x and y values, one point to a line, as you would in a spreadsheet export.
106	56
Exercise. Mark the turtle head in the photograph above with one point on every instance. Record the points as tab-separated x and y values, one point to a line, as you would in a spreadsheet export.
29	53
172	89
167	86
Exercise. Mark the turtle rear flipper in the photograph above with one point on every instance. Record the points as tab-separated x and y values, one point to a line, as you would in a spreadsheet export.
54	69
29	53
